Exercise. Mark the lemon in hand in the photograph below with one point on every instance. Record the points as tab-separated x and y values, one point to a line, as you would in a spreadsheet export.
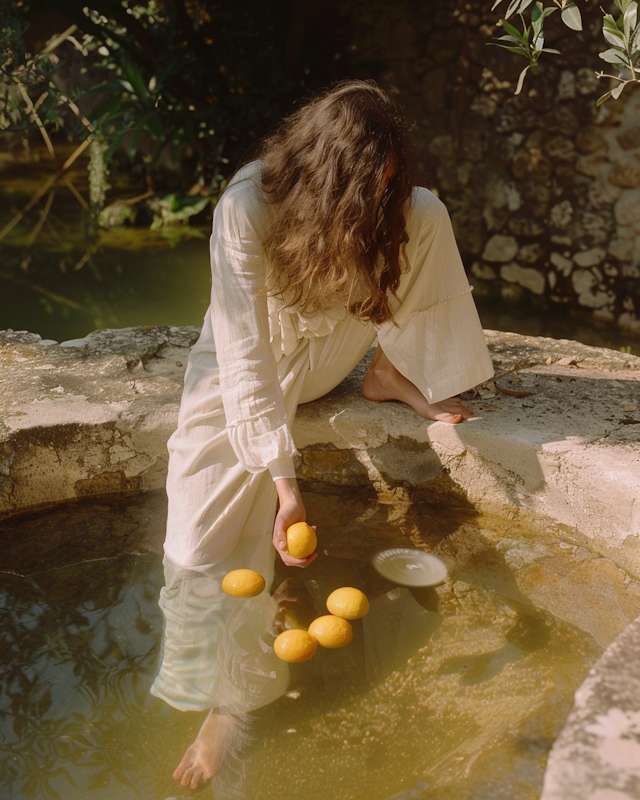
301	540
294	646
348	603
243	583
330	631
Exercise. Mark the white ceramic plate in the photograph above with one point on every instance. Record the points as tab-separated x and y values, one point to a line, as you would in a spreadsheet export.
410	567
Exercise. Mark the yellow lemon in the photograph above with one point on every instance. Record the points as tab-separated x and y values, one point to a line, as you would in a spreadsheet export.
330	631
348	603
243	583
295	646
301	540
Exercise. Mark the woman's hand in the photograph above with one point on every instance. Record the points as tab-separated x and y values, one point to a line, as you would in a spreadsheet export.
291	510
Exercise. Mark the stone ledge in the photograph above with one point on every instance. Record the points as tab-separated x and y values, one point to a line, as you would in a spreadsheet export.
597	755
93	415
568	450
88	416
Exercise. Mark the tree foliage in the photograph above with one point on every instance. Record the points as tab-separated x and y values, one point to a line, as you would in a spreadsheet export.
200	78
621	33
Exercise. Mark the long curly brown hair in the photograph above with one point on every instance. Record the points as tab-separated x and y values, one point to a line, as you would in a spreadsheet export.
338	235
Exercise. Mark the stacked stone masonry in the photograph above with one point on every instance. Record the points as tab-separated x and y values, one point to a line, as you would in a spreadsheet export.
543	188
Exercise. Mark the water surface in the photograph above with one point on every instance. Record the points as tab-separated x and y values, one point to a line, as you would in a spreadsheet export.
456	692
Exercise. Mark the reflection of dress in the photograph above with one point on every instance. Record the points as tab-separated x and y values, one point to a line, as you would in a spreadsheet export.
256	360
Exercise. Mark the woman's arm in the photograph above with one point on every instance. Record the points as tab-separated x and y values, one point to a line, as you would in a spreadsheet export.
256	419
252	397
291	510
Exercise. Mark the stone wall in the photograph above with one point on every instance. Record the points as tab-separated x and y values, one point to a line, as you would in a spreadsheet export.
543	188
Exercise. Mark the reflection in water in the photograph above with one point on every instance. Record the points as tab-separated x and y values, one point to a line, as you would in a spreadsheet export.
78	647
455	692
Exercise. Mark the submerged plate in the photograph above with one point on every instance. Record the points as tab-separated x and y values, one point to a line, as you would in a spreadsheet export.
410	567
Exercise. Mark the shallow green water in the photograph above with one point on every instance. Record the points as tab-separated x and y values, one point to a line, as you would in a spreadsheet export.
450	693
136	276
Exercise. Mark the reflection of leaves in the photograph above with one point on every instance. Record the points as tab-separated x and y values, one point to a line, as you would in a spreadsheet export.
44	703
100	780
97	656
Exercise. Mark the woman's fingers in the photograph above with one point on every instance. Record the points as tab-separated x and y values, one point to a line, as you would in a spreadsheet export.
290	561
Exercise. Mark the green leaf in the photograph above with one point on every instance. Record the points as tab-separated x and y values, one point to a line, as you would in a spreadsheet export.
106	87
550	50
115	141
133	74
623	5
507	38
107	108
614	38
512	8
155	127
172	201
571	17
615	93
519	51
614	26
521	79
613	56
512	31
630	19
132	145
538	15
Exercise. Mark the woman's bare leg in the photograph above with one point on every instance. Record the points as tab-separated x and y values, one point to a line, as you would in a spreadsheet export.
202	759
384	382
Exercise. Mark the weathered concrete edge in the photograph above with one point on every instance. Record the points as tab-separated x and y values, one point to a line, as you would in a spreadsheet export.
597	755
93	416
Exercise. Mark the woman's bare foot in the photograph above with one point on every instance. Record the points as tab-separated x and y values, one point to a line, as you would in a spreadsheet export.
202	759
384	382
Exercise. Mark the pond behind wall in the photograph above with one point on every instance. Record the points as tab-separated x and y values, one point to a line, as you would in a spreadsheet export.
137	276
143	280
455	692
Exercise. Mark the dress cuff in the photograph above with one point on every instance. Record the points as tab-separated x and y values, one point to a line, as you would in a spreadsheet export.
282	468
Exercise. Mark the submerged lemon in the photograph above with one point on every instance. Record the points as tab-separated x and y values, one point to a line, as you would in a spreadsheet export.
348	603
330	631
295	646
301	540
243	583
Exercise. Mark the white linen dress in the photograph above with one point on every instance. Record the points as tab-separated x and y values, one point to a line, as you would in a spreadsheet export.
254	362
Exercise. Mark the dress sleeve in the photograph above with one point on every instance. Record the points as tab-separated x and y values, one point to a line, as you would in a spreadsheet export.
252	398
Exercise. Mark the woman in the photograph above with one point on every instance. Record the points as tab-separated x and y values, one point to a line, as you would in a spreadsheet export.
317	247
